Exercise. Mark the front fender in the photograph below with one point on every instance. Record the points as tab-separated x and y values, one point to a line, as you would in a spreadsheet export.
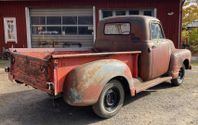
177	60
84	84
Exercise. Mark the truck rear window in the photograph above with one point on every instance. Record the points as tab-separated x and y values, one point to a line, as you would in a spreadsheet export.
117	29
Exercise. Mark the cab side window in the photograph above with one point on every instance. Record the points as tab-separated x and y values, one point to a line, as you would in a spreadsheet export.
156	31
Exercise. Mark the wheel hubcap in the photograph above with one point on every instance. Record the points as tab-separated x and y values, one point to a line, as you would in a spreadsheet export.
112	98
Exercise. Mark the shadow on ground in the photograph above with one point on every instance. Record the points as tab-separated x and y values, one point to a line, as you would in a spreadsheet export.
34	107
40	109
164	85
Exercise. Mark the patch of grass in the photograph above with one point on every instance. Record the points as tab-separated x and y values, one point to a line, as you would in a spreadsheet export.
3	63
195	62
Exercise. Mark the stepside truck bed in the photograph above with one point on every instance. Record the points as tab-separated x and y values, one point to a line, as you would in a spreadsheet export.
47	69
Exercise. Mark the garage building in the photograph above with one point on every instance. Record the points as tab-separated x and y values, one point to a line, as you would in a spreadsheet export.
73	24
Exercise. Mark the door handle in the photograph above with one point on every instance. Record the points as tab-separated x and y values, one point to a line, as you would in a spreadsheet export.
153	47
150	48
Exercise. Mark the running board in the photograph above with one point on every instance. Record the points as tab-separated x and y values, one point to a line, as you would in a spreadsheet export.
141	86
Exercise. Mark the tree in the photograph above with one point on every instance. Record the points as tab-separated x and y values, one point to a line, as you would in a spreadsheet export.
193	39
190	12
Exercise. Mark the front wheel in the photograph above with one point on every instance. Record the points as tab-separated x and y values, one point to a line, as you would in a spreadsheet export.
180	79
111	100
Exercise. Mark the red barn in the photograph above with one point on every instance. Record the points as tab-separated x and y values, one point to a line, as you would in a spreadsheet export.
73	23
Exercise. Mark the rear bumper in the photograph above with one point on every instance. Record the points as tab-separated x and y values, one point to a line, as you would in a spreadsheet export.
49	86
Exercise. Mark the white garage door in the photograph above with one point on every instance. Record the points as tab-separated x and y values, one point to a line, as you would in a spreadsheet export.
61	28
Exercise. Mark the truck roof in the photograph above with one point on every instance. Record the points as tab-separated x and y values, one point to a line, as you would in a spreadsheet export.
129	17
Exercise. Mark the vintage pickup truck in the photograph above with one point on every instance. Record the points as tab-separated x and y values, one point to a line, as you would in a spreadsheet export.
130	55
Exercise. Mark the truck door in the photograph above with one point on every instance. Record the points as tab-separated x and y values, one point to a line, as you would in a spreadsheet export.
159	49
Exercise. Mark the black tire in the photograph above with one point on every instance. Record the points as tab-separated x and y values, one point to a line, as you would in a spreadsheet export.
180	79
111	100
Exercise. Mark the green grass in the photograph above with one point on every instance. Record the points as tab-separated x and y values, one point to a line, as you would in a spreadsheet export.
3	63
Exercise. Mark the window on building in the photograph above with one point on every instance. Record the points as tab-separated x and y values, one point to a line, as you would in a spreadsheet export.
117	29
156	31
120	13
109	13
38	29
69	30
84	30
69	20
39	20
85	20
133	12
62	25
53	30
54	20
148	13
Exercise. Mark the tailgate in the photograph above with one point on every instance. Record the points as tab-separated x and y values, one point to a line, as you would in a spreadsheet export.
30	70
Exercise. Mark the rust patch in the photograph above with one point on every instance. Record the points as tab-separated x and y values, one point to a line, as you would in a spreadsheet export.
127	73
30	71
92	92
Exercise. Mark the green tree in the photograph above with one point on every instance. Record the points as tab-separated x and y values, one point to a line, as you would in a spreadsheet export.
190	12
193	40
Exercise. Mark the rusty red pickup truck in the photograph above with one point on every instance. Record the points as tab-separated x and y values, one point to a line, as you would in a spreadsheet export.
130	55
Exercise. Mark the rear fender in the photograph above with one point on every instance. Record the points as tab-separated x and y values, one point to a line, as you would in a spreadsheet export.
84	84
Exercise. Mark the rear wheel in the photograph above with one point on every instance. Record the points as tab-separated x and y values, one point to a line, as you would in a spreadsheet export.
111	100
180	79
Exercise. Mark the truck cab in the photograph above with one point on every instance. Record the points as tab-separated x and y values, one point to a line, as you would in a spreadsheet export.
145	34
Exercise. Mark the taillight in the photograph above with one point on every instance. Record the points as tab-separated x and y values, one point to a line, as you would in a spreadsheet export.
12	59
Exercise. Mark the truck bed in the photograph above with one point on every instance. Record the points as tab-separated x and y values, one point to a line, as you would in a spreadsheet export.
46	53
43	68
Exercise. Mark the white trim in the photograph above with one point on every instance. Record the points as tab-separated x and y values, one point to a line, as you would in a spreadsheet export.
141	12
113	12
28	28
127	12
94	24
10	29
155	12
100	15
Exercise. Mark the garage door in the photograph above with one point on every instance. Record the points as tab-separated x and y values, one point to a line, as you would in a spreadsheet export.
61	28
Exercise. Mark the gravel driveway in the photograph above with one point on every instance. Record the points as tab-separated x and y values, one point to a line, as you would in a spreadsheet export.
160	105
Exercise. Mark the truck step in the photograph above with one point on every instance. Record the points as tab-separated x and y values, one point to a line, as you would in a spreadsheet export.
141	86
